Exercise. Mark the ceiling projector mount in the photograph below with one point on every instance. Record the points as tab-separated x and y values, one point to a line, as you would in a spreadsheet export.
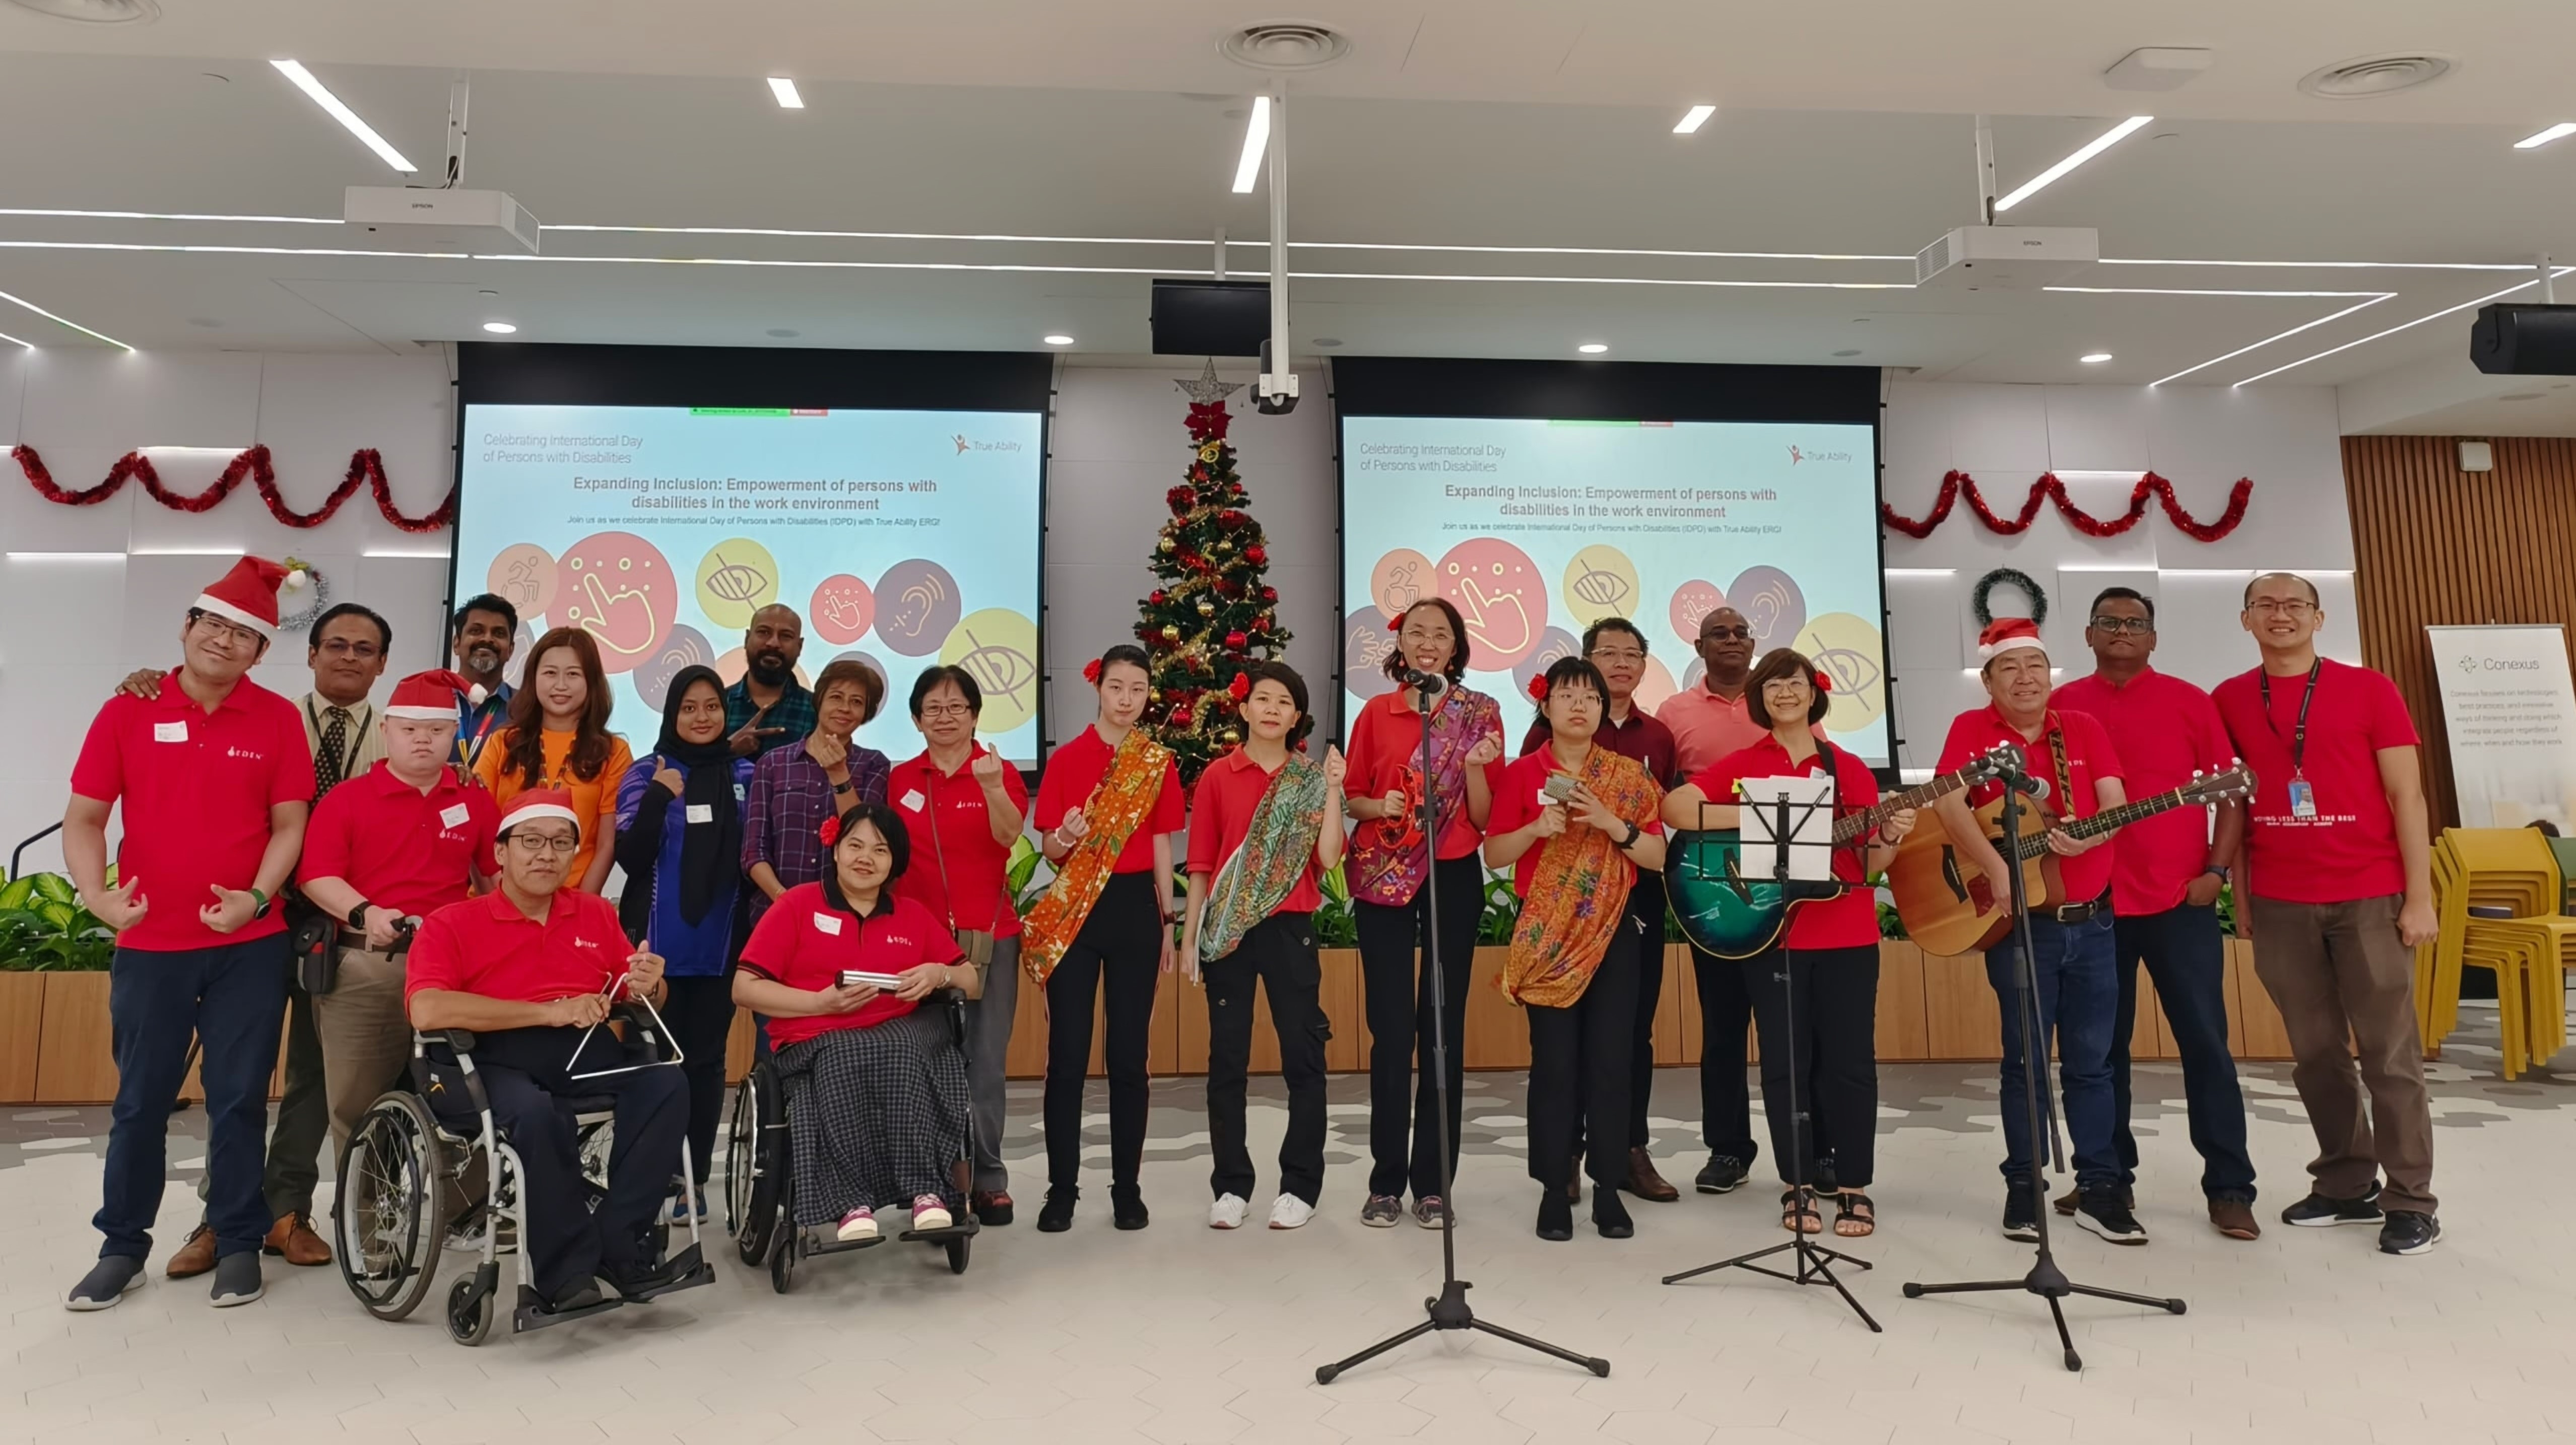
446	218
1988	257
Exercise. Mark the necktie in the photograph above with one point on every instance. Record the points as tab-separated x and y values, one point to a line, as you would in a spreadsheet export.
330	760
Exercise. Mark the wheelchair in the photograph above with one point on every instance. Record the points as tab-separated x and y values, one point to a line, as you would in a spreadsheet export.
412	1185
760	1183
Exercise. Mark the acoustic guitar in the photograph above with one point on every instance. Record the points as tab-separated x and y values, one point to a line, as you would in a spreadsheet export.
1950	907
1732	914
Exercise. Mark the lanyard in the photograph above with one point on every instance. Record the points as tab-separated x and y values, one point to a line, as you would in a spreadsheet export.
2298	744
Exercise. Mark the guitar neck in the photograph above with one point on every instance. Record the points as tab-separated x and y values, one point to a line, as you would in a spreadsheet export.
1856	824
2127	813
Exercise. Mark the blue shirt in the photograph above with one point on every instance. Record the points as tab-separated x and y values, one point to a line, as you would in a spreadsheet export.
688	950
478	723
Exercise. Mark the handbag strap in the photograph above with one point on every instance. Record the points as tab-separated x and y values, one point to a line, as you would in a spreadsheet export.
939	851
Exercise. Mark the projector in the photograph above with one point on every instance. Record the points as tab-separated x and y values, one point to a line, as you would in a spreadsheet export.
421	219
2006	258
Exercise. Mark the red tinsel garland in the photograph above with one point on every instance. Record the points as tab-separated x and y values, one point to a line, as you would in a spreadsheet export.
366	468
2050	488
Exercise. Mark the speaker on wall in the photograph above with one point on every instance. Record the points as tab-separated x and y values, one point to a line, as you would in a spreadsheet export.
2524	340
1211	318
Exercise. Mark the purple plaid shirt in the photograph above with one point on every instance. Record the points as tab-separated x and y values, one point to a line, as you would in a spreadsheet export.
782	820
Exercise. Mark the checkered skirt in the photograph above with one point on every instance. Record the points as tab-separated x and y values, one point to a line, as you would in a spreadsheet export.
877	1117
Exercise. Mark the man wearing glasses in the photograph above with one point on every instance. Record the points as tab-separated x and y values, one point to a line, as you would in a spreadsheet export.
2165	879
1615	646
212	780
2339	887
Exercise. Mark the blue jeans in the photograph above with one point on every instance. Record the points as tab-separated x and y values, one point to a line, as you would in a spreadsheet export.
2186	958
2078	1000
232	996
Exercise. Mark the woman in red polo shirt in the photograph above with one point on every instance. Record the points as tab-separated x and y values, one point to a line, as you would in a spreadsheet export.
1574	822
1108	805
1388	866
1264	819
967	807
880	1114
1830	955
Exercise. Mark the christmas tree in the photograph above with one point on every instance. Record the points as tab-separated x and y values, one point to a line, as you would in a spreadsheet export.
1213	616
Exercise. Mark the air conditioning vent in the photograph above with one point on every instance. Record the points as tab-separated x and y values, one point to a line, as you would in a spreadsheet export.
96	12
1284	45
2372	75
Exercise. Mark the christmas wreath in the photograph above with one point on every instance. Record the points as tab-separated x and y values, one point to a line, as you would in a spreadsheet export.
2008	577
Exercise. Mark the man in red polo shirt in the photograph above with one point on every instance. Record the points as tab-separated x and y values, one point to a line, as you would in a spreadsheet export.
2339	887
400	841
529	968
2165	877
2077	995
212	778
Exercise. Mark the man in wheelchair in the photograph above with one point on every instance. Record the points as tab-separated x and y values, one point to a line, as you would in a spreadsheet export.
530	969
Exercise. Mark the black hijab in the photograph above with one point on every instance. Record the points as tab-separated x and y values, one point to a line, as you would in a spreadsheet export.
711	852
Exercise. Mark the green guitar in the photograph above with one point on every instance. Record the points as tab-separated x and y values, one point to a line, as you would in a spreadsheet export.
1731	914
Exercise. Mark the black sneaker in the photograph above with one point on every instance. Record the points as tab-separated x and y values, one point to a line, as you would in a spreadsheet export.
2317	1211
2408	1231
1127	1207
1056	1215
111	1279
237	1280
2021	1217
1723	1173
2103	1212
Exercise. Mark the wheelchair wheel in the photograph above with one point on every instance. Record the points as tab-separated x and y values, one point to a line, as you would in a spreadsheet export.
958	1251
756	1166
782	1264
469	1312
389	1174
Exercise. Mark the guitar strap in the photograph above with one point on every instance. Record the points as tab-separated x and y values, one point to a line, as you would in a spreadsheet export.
2065	794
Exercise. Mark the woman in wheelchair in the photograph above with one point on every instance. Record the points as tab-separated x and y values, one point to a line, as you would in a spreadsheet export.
878	1112
529	970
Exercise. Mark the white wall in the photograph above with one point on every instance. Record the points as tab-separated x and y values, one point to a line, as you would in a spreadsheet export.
2098	440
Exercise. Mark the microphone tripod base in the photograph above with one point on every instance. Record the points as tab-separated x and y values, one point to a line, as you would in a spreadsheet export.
2050	1283
1450	1311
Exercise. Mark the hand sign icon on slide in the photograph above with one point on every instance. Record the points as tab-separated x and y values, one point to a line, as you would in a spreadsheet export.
618	588
1500	597
621	621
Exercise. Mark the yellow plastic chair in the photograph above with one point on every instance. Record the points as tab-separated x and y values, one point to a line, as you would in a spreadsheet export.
2516	870
2437	964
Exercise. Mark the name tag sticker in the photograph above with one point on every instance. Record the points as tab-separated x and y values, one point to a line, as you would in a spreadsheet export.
455	817
170	732
739	794
828	923
702	812
912	800
2303	798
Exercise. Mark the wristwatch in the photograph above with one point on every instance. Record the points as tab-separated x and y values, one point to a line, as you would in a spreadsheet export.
262	900
2221	870
1634	833
358	915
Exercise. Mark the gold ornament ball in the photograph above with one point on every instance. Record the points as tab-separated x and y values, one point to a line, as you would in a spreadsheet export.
1207	607
1166	546
1210	452
1171	633
1229	737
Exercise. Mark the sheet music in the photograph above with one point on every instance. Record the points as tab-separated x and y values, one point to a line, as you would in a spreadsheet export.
1811	826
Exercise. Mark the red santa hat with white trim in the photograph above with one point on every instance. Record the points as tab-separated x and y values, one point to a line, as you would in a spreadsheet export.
2006	633
431	696
540	803
248	593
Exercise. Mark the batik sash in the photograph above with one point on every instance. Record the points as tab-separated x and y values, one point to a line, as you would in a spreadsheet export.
1127	792
1391	871
1276	848
1578	893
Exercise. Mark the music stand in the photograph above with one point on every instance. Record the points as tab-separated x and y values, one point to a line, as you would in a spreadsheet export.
2045	1279
1814	1262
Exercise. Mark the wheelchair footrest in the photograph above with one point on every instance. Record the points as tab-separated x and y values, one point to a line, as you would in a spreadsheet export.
967	1227
821	1242
687	1269
532	1313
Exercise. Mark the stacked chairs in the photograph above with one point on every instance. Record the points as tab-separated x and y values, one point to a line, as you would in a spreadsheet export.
2499	894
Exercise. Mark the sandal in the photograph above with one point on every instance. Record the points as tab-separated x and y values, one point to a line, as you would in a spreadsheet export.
1854	1216
1798	1213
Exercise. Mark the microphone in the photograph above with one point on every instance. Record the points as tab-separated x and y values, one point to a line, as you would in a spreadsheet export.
1426	682
2026	784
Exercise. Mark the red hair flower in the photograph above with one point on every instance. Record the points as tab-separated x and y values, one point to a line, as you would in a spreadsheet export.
1241	687
1091	672
1824	681
1538	688
830	832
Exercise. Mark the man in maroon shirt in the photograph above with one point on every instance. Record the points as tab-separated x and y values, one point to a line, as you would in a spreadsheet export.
212	778
2339	886
1615	646
2165	879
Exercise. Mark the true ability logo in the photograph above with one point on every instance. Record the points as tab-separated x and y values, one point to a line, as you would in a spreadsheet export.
965	444
1796	456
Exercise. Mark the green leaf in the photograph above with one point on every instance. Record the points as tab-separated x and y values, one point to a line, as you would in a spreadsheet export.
14	895
55	887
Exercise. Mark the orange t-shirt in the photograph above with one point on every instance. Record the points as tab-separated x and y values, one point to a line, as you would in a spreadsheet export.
594	800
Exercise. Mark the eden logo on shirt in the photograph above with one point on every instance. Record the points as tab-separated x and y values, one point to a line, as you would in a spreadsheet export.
242	752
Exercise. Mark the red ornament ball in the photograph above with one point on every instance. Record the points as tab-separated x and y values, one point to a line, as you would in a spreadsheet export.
1256	554
1159	597
1181	717
1236	639
1180	498
1269	594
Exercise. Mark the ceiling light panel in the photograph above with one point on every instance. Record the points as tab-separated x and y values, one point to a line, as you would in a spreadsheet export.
785	89
2088	151
338	110
1256	138
1693	119
2534	141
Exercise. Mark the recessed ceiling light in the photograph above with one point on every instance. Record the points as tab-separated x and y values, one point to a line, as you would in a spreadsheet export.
2560	131
1850	351
1693	118
2094	358
1256	137
785	90
2086	152
1328	342
332	105
499	328
1057	338
2520	396
1593	348
785	333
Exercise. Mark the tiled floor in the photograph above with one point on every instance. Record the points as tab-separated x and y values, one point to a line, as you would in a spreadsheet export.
1181	1334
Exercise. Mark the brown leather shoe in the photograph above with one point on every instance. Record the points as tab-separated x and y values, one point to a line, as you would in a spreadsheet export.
1644	1182
292	1239
196	1254
2234	1218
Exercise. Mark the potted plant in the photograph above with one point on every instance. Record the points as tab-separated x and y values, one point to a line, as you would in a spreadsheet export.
52	950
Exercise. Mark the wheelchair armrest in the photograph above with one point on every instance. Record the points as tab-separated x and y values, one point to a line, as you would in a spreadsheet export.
955	999
459	1040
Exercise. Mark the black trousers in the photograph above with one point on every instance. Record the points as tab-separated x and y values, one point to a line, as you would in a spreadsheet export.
523	1076
1579	1071
700	1015
1278	953
1725	1094
1400	1024
1832	1055
1118	954
1646	904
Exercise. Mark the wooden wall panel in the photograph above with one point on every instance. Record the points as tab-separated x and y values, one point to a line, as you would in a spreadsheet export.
2433	545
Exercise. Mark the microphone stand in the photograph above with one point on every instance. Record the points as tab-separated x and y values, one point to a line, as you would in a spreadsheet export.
1814	1264
1450	1310
2045	1279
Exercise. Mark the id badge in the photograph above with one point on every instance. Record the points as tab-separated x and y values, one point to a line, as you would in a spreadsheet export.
2303	798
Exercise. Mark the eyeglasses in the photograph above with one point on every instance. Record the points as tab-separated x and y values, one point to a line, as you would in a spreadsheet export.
946	710
1741	634
343	647
2282	606
2139	625
227	633
533	844
1604	656
1784	684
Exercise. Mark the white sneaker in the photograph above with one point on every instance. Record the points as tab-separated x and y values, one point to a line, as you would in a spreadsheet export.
1290	1212
1227	1212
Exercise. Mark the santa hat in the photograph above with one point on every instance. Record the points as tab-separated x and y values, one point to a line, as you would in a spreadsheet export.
431	696
2006	633
540	803
248	593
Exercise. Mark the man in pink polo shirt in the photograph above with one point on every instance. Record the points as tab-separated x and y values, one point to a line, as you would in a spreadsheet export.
2165	878
212	778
